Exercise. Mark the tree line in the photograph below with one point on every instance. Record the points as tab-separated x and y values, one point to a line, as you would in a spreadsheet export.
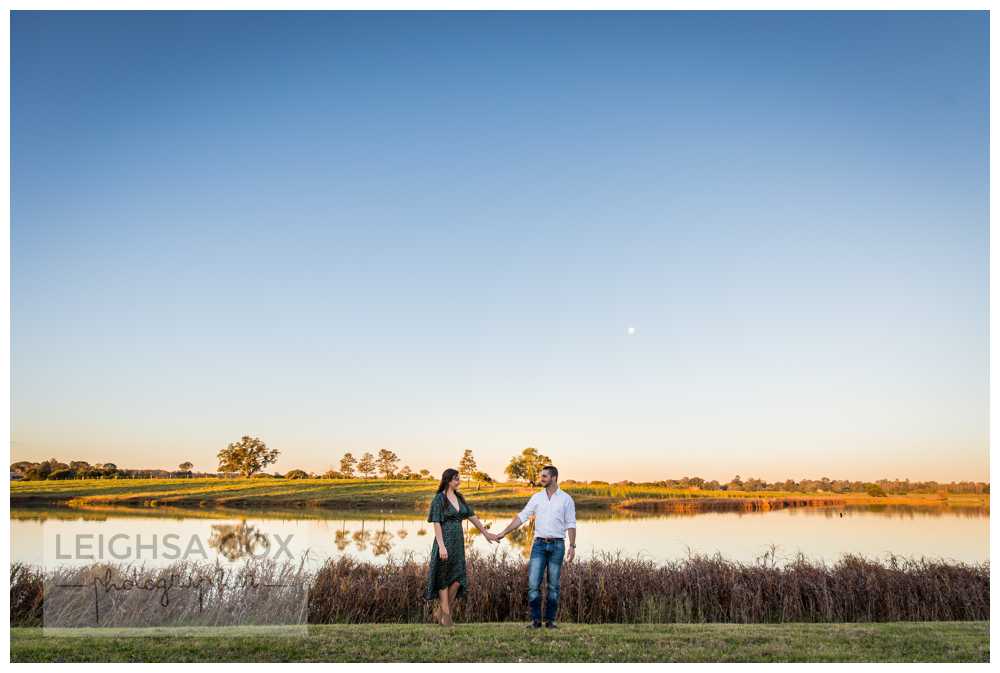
827	485
249	457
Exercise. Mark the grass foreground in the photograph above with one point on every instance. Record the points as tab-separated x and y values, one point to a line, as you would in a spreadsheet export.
511	642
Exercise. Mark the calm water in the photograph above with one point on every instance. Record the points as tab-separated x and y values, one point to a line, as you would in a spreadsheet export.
66	537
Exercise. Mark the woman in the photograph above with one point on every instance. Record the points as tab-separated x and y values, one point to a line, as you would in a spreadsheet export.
446	573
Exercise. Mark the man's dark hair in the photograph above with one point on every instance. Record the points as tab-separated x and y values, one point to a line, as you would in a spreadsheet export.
551	469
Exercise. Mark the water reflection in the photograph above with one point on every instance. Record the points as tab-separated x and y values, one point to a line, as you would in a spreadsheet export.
239	541
382	544
913	512
378	541
361	538
820	532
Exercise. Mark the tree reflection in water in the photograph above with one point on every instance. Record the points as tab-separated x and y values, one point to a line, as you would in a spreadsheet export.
522	538
380	541
238	541
383	542
361	537
342	537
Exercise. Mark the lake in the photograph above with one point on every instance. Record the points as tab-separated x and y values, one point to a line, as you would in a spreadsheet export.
67	537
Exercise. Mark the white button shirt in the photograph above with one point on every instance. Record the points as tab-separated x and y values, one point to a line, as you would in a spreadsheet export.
552	515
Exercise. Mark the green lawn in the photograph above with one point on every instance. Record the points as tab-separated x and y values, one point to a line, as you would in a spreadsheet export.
894	642
377	494
255	493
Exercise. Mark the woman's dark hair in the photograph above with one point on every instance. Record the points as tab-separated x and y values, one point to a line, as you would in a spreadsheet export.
446	477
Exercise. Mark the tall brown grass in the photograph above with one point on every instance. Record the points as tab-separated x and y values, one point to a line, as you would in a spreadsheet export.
615	589
184	593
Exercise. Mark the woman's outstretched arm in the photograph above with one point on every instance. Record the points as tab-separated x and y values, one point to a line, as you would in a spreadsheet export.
482	529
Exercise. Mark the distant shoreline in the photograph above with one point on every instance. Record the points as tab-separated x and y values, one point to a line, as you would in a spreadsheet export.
292	496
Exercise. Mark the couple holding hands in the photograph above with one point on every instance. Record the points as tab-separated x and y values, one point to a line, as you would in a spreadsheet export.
555	519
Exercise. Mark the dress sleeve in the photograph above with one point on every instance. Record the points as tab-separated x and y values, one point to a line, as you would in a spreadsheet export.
436	515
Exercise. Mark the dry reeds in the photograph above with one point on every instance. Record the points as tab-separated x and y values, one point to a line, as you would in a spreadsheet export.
614	589
182	594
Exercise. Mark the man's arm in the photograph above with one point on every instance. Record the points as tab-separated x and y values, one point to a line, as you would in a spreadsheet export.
514	524
519	519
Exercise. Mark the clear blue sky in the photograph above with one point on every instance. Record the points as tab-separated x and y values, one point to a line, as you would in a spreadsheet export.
431	232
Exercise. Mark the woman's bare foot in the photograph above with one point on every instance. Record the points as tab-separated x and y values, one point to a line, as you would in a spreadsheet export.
437	613
446	619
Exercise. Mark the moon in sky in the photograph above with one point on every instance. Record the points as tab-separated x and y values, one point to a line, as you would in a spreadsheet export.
630	331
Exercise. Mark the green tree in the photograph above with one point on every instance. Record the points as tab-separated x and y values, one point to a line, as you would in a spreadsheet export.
41	471
516	470
22	467
527	466
108	470
367	465
347	464
247	456
425	474
296	474
467	465
481	478
186	466
388	463
406	472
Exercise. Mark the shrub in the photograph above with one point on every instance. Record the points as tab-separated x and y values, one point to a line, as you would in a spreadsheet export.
26	595
296	474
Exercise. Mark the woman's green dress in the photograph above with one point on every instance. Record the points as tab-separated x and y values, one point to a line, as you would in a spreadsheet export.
442	573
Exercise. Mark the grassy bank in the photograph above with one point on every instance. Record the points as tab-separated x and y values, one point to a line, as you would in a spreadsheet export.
894	642
284	494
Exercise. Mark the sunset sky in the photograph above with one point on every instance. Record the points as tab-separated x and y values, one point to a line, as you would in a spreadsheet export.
432	232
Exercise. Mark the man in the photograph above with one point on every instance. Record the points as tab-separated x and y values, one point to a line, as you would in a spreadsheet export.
555	516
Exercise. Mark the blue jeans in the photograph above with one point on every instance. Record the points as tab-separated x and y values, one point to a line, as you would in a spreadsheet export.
545	555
